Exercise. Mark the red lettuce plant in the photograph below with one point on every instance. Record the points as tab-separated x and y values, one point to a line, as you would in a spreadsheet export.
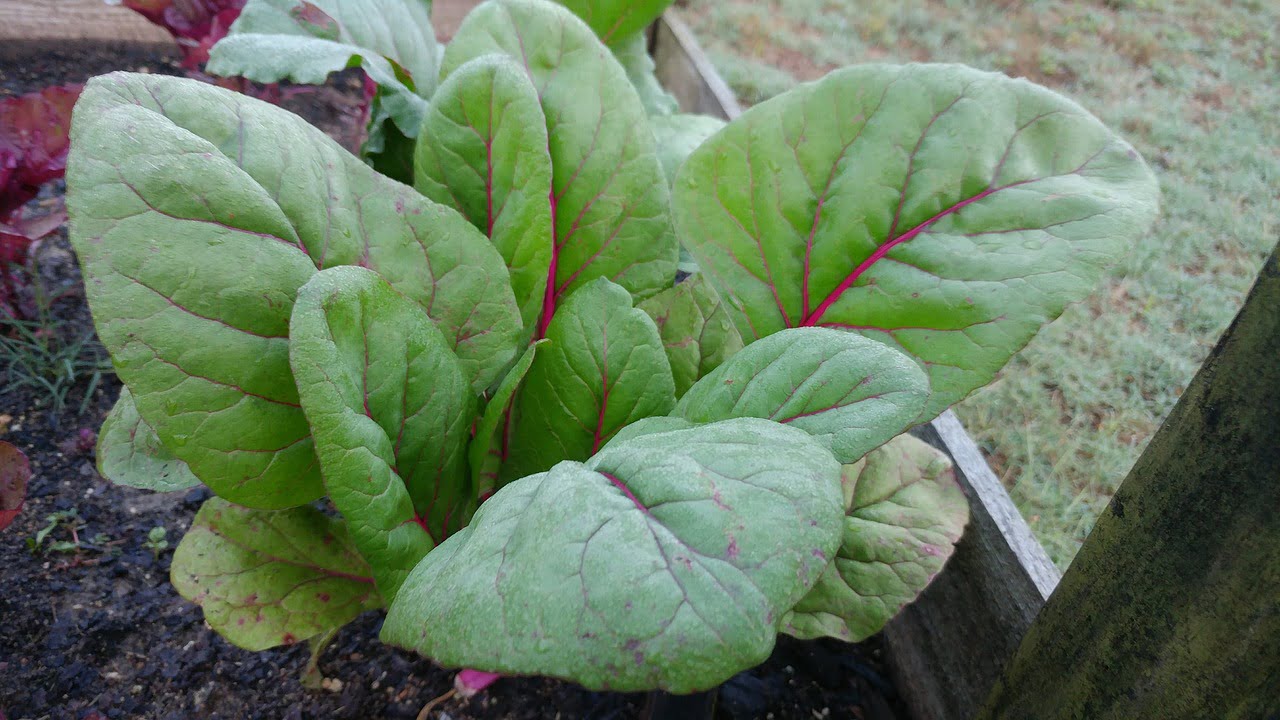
196	25
33	150
549	456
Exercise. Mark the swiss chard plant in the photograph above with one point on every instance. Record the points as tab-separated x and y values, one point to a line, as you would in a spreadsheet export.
542	453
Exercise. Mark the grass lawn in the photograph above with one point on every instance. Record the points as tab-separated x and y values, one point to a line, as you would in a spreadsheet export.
1195	86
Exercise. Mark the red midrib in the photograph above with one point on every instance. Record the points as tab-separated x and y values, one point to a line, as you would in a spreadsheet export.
549	295
816	316
625	491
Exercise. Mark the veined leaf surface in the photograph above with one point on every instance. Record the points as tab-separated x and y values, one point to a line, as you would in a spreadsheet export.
490	445
390	410
602	369
609	203
483	151
851	393
944	211
267	578
197	213
905	514
665	561
696	329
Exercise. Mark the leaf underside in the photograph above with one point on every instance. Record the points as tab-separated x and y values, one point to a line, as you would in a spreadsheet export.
906	513
129	453
941	210
195	231
268	578
665	562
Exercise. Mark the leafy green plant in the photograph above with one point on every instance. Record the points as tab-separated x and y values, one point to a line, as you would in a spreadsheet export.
549	457
157	540
69	522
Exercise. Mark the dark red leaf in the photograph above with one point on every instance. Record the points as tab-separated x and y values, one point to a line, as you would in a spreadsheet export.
15	471
195	24
33	143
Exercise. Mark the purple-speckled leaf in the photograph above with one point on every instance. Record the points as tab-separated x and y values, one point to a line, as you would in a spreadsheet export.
268	578
665	561
905	514
944	211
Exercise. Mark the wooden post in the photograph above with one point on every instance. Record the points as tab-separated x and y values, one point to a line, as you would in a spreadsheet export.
1172	607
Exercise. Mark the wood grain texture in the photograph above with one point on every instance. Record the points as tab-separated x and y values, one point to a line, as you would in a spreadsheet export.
28	26
1172	607
684	70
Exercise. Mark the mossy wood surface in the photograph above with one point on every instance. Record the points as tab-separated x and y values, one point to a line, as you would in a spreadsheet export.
1172	607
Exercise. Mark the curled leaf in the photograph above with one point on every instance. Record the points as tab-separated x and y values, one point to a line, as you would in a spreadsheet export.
905	514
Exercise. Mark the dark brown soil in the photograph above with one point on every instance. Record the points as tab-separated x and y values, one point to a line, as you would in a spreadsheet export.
98	632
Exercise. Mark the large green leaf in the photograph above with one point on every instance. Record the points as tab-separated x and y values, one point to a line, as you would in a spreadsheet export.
610	206
483	151
905	514
197	213
665	561
129	453
696	330
616	20
390	410
603	368
269	578
488	448
304	41
941	210
852	393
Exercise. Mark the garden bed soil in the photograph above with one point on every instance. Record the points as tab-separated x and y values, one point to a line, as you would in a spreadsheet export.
98	632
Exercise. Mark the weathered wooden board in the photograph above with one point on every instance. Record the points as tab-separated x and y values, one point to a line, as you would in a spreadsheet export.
28	26
1172	607
947	649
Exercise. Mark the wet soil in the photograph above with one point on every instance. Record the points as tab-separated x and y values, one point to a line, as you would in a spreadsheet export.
90	627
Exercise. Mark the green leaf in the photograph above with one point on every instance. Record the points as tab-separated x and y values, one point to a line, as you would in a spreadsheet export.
603	369
391	40
610	205
944	211
489	447
663	562
906	513
678	136
633	54
390	410
615	21
696	330
852	393
483	151
269	578
129	453
197	214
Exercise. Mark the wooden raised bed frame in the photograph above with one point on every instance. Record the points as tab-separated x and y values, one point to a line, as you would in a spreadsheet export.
949	649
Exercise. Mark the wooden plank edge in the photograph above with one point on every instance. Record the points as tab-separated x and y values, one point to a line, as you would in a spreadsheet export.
685	70
28	27
946	650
